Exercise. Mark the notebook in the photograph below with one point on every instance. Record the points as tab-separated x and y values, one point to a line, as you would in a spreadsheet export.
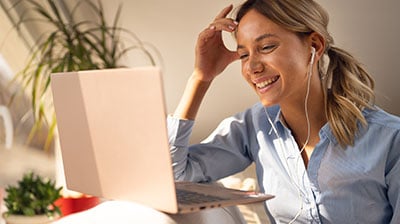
114	141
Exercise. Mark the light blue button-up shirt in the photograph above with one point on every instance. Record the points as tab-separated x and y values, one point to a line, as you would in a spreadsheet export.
358	184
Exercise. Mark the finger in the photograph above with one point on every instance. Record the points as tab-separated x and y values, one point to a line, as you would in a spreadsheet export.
234	55
224	12
224	24
206	36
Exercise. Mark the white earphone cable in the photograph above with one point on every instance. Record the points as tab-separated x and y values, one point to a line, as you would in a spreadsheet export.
292	179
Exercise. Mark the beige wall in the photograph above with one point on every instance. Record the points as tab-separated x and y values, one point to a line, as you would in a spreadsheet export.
371	31
368	28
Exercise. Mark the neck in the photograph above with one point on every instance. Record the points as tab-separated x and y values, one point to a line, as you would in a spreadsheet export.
306	122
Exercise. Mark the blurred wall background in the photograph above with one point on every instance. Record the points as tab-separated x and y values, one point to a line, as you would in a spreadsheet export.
369	29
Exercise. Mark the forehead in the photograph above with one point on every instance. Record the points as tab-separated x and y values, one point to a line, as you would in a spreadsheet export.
254	25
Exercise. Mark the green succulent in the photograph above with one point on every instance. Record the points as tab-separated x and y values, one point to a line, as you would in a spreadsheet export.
33	195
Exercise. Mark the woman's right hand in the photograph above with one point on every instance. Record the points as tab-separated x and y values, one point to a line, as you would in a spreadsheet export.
212	56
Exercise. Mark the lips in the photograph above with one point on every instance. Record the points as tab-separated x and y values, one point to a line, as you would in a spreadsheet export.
266	82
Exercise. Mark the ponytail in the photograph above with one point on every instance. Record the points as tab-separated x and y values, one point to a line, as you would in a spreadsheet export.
349	89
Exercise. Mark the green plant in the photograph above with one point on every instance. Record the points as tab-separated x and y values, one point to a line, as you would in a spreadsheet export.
70	45
33	195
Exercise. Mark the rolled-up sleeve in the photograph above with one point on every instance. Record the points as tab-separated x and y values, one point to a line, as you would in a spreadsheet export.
223	153
179	132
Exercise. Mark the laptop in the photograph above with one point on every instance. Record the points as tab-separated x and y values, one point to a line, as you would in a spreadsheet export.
114	141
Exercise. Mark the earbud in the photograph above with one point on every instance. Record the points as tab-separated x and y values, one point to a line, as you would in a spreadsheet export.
312	55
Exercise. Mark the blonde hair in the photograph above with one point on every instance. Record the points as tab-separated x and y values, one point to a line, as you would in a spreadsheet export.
348	87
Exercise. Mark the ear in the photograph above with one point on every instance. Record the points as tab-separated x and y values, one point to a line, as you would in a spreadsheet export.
316	41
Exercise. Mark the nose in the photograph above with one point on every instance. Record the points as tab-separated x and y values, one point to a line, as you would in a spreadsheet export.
254	64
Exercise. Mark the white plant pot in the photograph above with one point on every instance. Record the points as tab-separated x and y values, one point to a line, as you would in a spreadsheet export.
21	219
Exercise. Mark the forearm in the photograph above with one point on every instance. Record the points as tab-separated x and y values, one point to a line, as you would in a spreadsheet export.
192	97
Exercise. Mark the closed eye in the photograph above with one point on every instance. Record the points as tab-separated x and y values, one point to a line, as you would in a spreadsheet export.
243	56
268	48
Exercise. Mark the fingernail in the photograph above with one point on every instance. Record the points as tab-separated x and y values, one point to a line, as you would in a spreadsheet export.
212	27
235	22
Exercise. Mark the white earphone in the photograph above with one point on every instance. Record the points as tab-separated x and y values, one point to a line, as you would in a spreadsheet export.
312	55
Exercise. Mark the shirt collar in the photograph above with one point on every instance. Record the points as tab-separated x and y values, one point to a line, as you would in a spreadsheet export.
325	132
278	118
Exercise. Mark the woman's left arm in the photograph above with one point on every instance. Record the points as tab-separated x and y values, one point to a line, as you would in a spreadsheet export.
393	178
223	153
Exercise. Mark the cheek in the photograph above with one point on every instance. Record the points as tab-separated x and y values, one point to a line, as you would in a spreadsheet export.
244	71
292	67
245	75
296	62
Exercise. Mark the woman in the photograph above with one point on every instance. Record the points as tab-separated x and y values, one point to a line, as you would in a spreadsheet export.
319	143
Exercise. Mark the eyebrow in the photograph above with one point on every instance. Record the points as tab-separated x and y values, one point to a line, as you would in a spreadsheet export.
258	39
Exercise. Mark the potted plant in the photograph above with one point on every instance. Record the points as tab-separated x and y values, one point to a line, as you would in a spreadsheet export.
70	44
32	201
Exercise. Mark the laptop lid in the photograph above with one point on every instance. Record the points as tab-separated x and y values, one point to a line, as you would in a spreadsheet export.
113	122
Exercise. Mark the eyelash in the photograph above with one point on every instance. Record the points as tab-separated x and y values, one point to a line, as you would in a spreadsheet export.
267	48
242	56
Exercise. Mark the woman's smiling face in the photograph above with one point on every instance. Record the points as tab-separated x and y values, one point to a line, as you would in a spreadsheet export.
274	60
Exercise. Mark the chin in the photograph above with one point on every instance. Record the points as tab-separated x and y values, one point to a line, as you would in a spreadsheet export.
267	103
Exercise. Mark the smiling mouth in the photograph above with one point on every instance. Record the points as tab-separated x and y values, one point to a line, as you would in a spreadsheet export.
265	83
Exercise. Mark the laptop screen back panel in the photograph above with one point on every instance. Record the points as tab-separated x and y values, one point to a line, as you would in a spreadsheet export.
96	111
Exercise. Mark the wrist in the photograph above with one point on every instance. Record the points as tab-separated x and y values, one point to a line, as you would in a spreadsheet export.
197	83
192	97
201	76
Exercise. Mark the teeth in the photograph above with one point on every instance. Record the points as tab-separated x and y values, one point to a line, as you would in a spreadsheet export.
265	83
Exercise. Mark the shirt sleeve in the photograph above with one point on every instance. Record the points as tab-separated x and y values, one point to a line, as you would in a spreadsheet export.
223	153
393	178
179	132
